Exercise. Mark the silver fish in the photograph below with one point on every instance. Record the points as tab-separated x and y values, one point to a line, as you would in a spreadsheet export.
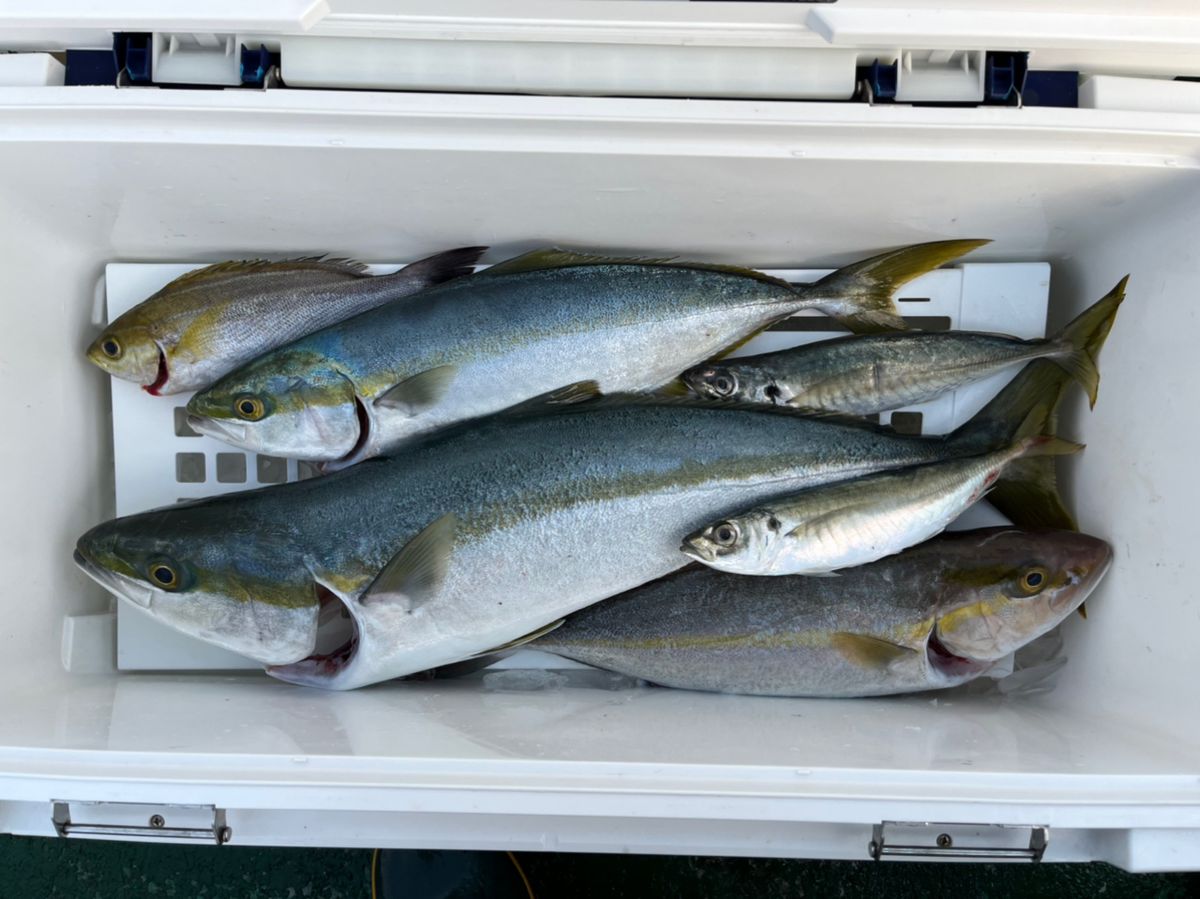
863	375
825	529
477	537
519	330
934	616
206	323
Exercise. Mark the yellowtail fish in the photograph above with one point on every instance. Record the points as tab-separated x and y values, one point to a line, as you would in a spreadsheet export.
519	330
936	615
208	322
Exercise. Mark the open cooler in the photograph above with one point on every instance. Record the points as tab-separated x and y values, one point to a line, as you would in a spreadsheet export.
782	136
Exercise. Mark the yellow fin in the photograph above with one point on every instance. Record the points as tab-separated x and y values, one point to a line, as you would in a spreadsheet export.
861	295
418	392
578	392
1082	610
234	267
867	651
541	260
415	574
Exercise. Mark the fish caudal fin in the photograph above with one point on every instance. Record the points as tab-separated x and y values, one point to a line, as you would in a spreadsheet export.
1027	490
862	295
1082	338
441	267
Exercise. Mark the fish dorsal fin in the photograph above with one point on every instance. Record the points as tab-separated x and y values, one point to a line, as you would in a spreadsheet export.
867	651
521	641
542	260
415	575
236	267
422	390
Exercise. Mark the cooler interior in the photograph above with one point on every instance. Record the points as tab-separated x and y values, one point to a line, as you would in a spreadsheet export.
90	176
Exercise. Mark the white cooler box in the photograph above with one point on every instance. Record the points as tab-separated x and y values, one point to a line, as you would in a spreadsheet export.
477	124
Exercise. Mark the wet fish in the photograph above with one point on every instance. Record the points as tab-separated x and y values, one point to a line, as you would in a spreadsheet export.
863	375
937	615
478	536
208	322
517	331
835	526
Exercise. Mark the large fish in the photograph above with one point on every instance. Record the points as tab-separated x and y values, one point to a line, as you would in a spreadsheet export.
206	323
519	330
475	537
831	527
866	374
935	616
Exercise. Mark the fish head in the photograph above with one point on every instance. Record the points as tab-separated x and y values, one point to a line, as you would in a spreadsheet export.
736	544
743	382
131	352
1018	586
288	403
201	574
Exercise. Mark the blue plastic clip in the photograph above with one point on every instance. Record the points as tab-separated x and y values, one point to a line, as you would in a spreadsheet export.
880	80
255	64
132	53
1004	77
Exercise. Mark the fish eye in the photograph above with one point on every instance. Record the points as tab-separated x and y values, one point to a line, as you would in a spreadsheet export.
724	384
773	523
774	394
111	347
164	575
725	534
248	407
1034	580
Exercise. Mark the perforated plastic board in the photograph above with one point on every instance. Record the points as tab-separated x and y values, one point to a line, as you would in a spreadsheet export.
158	461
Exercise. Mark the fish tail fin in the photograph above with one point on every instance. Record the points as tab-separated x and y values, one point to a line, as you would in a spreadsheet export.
1047	445
862	295
440	267
1082	338
1027	490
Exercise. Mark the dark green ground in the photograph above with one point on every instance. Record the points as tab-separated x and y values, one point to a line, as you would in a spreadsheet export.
38	868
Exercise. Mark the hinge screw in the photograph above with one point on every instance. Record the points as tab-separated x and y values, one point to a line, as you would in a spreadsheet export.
157	821
944	841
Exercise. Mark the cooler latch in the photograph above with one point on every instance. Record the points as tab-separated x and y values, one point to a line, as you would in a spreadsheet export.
922	839
161	823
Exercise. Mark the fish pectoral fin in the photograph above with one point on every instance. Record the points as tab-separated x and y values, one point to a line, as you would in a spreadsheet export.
415	575
419	392
867	651
521	641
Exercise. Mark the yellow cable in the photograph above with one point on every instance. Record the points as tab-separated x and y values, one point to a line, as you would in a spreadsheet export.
521	871
374	871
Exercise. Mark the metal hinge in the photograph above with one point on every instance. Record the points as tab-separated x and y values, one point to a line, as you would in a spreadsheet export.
204	823
996	842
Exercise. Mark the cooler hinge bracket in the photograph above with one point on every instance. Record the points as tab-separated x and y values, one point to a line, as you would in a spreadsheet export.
994	842
161	823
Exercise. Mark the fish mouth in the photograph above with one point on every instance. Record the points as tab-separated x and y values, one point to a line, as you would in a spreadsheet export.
700	550
227	431
154	388
322	667
118	584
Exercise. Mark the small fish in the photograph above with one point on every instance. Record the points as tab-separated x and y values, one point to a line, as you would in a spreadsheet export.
479	536
937	615
519	330
208	322
824	529
863	375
